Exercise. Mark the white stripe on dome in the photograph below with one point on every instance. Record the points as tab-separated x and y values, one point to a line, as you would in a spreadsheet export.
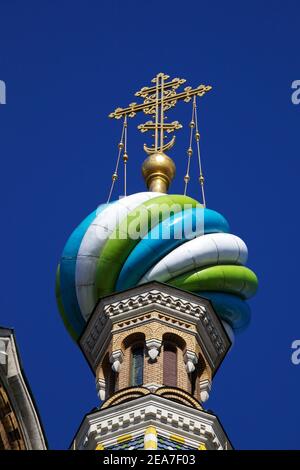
206	250
93	242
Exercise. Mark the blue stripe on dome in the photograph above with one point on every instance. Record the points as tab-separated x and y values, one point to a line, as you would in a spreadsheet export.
182	226
230	308
68	270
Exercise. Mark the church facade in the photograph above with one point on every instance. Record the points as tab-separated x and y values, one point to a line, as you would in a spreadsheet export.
153	288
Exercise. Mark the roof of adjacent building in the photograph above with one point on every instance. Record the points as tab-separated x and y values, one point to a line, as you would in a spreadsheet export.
16	386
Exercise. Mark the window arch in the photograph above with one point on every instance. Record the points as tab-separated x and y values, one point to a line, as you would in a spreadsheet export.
170	365
137	365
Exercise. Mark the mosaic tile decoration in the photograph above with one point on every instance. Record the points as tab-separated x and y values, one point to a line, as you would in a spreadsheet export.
136	443
168	444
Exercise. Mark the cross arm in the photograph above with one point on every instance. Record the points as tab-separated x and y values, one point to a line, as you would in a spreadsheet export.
186	95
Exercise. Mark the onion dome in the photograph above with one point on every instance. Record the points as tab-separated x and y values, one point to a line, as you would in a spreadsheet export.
153	236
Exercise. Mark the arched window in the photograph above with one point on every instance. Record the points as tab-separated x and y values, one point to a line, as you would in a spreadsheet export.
194	381
110	382
137	366
170	365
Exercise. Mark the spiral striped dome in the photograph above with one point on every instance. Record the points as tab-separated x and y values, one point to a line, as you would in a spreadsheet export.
149	236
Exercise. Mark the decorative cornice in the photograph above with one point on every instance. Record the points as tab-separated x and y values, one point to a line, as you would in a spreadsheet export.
155	297
195	426
122	308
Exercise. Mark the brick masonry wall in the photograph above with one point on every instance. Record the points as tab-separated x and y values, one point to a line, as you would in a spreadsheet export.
154	325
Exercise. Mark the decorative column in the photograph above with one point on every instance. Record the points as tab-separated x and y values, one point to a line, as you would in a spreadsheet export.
205	387
100	387
190	359
116	359
150	439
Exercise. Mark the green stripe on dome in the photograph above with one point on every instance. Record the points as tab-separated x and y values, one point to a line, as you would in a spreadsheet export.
130	231
237	280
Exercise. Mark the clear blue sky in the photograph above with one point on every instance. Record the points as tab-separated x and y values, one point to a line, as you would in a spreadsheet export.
66	65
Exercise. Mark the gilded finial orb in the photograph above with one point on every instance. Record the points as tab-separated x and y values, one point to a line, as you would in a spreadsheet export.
158	171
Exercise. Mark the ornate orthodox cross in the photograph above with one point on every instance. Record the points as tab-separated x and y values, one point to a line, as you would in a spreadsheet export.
158	99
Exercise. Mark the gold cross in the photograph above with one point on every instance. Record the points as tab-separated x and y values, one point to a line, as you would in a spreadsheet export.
158	99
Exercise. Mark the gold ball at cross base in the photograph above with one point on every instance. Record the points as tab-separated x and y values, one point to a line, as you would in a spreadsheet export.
158	171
